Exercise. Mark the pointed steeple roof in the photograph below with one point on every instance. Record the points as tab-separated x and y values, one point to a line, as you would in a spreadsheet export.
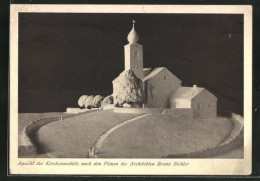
132	36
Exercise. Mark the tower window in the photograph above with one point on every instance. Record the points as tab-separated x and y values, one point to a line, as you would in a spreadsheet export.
164	77
136	54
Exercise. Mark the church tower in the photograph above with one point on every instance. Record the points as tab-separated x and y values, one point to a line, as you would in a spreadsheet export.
134	54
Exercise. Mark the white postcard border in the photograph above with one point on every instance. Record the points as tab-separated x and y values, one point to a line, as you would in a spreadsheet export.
196	166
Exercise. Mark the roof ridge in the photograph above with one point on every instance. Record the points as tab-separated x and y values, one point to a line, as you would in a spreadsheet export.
150	75
190	92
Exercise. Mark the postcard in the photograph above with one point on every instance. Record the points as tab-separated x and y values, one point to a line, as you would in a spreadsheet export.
130	89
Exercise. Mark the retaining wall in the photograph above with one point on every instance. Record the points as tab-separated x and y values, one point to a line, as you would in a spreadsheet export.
138	110
29	145
238	123
78	110
108	106
179	112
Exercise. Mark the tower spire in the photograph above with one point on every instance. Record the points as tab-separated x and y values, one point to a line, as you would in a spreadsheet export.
132	36
134	54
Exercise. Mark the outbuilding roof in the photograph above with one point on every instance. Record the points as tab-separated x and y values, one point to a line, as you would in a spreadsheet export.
187	92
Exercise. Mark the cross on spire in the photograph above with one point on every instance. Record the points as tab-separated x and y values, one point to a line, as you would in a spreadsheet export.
133	22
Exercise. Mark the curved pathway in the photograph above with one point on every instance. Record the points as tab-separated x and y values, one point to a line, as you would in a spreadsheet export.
94	150
72	138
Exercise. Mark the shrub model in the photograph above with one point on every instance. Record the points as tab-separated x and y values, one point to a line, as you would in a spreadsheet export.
81	101
96	102
107	100
127	89
88	102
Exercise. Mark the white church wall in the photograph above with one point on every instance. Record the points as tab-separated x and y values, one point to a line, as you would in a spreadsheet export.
114	91
180	103
114	88
160	88
134	58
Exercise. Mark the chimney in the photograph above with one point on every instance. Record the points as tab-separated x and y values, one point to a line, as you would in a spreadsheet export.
195	86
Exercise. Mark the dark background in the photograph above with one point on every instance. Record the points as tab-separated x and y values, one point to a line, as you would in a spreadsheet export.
63	56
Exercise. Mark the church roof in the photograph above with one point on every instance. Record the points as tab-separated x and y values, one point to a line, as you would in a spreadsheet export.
187	92
153	72
146	71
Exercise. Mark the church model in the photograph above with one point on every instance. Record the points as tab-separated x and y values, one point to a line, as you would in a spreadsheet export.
162	89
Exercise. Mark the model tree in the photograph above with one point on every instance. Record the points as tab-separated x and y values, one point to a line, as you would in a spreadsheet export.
107	100
81	101
97	101
88	102
128	89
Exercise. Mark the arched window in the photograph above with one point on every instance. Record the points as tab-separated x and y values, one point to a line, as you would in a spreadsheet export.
136	54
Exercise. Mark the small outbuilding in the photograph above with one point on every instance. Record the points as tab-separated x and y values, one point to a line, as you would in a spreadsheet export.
203	103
